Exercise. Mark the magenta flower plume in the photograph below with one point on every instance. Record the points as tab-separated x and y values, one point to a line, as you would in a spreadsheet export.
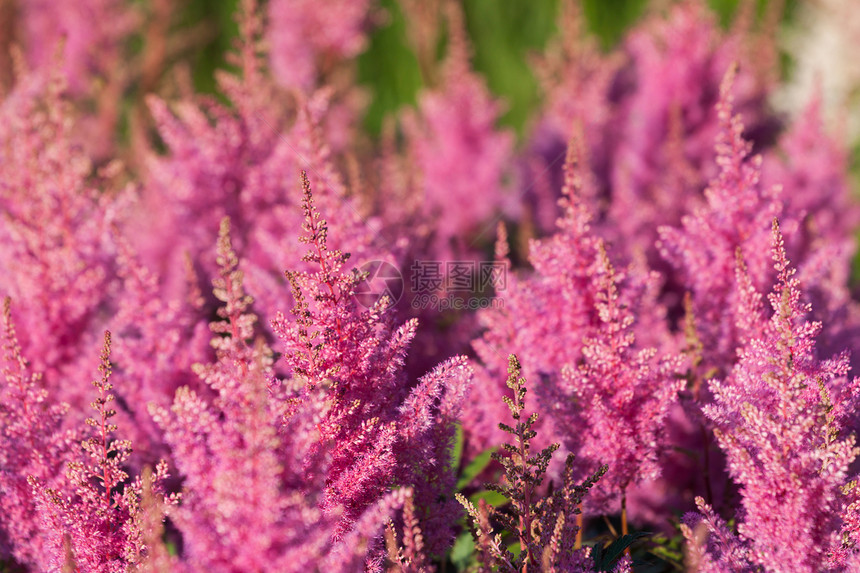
33	444
155	344
780	419
92	60
306	41
562	266
566	265
577	79
238	161
89	52
811	167
711	546
665	156
55	251
647	113
526	324
93	518
460	154
214	149
736	215
337	435
429	419
375	427
239	512
625	393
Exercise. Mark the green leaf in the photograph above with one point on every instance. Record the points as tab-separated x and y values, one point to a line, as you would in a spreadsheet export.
493	498
457	450
463	551
474	468
670	555
605	558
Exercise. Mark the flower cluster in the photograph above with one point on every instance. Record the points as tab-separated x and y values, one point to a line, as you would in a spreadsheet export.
782	419
266	400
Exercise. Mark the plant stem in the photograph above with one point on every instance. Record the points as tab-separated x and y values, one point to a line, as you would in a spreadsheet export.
706	444
578	543
624	530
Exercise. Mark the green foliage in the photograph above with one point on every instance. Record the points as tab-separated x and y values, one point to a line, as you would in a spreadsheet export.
457	449
389	69
492	498
670	550
535	528
605	557
462	554
504	35
475	467
609	20
218	20
727	9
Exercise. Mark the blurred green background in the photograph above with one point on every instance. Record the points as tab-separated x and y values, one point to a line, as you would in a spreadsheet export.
503	33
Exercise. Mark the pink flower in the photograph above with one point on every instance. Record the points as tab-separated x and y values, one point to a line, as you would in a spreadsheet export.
460	154
780	419
305	40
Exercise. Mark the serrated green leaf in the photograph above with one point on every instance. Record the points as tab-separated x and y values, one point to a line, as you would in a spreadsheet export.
474	468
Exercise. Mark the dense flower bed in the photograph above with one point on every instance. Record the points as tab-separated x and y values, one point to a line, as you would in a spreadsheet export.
245	337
